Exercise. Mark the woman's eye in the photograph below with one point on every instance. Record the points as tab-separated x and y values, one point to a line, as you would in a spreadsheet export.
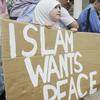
58	7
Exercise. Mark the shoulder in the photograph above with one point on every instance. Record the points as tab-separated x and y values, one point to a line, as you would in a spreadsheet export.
66	18
64	11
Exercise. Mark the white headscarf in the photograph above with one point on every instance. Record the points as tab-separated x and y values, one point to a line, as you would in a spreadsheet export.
42	10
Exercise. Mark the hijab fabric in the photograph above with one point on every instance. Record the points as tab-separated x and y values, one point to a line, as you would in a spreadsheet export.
42	10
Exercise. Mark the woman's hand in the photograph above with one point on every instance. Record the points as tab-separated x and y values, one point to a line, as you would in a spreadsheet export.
74	29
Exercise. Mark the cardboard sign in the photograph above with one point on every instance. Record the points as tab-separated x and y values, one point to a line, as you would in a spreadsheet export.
49	64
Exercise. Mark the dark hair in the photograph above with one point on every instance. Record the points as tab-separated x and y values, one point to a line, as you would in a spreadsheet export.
98	0
92	1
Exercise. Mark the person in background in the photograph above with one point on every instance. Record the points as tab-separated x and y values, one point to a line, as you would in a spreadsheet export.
71	7
21	7
3	14
67	20
98	11
67	3
91	1
89	18
9	5
3	8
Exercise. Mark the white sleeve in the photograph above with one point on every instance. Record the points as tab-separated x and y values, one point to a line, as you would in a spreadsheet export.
66	18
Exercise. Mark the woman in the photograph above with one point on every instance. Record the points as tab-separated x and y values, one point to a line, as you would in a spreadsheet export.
47	12
3	13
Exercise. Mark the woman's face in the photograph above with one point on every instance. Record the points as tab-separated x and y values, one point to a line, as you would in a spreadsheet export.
55	13
97	5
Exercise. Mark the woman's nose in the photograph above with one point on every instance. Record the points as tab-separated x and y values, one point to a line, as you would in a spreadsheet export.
58	9
68	1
